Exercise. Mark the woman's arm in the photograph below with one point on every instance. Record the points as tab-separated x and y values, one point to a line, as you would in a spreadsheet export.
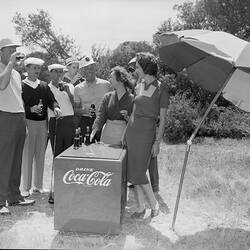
101	117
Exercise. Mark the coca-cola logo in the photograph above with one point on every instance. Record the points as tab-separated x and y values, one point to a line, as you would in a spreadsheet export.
88	177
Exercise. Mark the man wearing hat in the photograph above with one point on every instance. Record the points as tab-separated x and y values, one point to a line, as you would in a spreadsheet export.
89	93
13	128
64	94
37	98
72	76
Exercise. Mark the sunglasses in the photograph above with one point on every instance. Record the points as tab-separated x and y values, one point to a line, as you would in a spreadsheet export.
131	69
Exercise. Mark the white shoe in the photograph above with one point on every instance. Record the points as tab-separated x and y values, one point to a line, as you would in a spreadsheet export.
39	191
25	194
4	211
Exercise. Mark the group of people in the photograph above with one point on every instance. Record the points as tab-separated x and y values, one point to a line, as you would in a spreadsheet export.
127	110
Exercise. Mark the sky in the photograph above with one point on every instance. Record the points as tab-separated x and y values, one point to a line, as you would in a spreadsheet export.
105	23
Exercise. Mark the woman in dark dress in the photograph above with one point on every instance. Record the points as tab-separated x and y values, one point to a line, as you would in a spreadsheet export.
115	108
141	138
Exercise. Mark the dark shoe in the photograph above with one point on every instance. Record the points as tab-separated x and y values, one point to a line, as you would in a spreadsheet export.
138	215
154	212
23	202
4	211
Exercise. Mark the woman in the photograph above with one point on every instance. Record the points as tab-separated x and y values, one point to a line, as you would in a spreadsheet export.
115	108
141	139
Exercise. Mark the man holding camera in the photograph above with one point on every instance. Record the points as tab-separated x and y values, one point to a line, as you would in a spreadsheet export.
63	128
37	98
13	128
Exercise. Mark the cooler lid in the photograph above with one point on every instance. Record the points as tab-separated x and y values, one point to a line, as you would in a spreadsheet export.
96	151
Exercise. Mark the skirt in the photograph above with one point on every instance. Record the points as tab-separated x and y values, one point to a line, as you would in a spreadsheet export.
139	138
113	131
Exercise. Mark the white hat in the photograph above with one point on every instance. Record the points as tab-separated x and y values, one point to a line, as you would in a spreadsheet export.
133	60
86	61
56	66
33	60
6	42
71	60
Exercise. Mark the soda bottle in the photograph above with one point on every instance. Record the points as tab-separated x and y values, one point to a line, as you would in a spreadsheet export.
87	136
93	115
80	137
40	104
76	140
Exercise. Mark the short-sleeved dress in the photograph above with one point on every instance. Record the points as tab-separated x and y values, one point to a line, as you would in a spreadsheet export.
141	130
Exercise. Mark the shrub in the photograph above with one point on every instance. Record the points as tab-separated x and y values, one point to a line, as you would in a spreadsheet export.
228	123
180	119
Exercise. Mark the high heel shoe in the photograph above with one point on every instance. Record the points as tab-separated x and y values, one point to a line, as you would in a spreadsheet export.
138	215
155	212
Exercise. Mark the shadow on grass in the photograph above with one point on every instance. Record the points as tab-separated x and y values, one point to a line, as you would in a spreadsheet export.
135	234
215	239
25	212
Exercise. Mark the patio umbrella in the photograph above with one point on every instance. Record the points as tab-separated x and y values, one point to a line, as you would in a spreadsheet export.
217	61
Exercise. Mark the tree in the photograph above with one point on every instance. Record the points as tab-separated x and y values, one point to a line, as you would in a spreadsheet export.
36	31
127	50
107	59
231	16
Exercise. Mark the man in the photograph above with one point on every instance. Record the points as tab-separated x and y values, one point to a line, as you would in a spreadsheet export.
88	94
153	166
13	128
64	127
37	98
72	76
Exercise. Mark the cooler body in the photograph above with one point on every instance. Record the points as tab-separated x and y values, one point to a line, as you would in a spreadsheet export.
90	189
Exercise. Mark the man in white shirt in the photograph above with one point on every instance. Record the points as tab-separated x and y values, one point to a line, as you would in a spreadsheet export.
37	98
63	127
88	94
13	128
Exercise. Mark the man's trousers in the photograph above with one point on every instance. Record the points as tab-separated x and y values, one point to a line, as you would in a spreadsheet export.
12	136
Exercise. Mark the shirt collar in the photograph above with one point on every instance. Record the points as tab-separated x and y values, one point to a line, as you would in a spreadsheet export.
31	83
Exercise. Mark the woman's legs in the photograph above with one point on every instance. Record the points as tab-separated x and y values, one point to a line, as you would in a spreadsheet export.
150	196
139	196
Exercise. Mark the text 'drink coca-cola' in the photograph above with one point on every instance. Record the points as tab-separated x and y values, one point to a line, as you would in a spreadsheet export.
88	177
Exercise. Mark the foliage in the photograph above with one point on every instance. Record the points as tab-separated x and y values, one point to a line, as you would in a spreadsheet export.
36	31
184	114
180	118
226	123
226	15
107	59
102	57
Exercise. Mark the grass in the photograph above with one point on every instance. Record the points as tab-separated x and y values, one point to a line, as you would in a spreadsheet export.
213	213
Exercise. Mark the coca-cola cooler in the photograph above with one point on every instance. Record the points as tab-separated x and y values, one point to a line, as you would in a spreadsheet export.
90	189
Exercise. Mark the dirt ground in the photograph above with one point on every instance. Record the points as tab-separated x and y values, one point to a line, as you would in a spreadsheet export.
203	222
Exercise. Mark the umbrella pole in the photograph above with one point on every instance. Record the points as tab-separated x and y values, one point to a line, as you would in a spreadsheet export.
189	143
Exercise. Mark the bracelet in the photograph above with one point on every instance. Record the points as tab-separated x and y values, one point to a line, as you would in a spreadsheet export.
158	141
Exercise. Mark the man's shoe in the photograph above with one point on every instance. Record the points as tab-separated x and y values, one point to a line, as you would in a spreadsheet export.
39	191
138	215
4	211
22	202
25	194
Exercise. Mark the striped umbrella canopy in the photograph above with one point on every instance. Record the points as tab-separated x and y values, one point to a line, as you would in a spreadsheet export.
211	58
